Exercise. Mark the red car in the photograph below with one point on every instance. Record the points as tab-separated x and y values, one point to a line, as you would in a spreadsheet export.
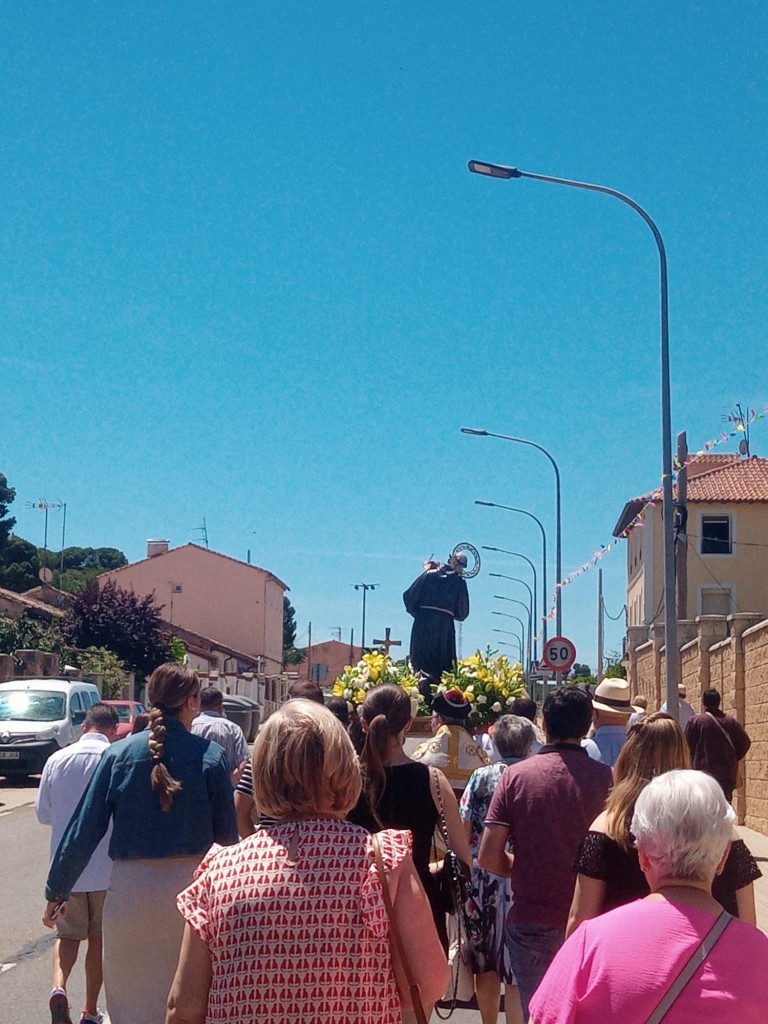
127	710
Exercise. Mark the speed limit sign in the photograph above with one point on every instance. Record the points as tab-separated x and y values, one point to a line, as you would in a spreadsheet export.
559	653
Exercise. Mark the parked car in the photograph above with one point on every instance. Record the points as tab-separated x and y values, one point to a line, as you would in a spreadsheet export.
39	717
127	712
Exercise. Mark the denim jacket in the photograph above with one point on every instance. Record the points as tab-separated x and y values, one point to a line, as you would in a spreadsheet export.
120	790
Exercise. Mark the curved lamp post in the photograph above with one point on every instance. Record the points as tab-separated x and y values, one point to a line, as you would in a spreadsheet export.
558	523
522	638
534	606
670	610
525	512
527	609
519	645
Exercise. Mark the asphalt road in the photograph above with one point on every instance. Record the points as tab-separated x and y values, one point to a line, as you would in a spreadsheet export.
25	943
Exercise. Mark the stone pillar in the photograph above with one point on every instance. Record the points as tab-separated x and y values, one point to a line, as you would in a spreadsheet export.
636	636
50	665
31	662
712	629
7	667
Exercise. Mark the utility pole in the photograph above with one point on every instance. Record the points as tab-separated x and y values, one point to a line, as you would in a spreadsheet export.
600	634
681	530
309	652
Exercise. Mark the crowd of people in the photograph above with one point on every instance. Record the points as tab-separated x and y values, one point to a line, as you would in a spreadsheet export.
592	867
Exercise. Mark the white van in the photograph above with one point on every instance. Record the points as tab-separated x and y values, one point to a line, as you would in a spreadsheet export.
39	717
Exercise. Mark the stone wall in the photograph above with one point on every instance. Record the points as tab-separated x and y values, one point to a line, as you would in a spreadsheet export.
731	655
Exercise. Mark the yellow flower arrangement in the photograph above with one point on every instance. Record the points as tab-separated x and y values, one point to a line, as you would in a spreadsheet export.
374	669
490	682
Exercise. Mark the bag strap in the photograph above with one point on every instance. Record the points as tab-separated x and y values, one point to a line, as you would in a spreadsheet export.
394	932
694	962
724	731
437	798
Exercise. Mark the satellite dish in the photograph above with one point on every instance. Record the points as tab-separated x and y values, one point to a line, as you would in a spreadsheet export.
45	575
744	446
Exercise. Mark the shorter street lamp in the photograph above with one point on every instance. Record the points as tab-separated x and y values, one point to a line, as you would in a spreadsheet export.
513	600
525	512
535	604
503	643
528	607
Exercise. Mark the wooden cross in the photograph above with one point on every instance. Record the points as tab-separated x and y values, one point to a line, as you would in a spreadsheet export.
387	642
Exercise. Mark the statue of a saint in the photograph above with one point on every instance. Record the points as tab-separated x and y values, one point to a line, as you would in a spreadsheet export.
436	599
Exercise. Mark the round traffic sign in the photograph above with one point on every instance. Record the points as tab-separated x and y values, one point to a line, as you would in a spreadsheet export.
559	653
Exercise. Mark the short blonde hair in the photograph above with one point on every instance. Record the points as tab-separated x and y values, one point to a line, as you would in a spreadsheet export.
304	764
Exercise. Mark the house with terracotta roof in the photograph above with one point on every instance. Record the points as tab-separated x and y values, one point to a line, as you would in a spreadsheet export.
727	542
232	605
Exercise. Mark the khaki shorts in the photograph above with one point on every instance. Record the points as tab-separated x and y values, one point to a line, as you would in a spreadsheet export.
83	920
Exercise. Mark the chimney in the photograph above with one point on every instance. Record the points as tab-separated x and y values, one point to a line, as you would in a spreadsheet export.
157	547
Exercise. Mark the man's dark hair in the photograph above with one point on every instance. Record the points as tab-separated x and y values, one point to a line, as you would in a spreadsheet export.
340	709
711	699
305	689
524	707
210	697
567	713
101	717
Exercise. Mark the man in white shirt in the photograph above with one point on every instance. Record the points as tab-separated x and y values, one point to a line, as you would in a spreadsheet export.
686	711
65	778
212	724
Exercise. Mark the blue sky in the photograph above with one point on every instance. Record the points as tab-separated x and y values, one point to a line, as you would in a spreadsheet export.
248	277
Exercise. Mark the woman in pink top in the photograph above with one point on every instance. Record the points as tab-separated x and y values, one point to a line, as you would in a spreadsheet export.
289	927
618	967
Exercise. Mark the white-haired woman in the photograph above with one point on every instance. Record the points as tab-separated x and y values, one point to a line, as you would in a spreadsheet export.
290	925
513	738
620	966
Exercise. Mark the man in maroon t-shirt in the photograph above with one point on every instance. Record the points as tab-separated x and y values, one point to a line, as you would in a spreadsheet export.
545	806
717	742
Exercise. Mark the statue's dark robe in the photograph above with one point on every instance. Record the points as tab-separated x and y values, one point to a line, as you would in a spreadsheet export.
435	600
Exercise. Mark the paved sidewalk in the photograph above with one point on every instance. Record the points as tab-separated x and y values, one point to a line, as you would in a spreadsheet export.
758	847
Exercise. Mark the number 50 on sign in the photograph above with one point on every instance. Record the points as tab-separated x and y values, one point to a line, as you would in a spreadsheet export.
559	653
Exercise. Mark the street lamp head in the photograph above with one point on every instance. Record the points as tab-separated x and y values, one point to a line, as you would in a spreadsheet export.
488	504
475	433
493	170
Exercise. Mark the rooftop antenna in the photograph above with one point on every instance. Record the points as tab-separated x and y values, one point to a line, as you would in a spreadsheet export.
202	530
741	421
42	505
337	631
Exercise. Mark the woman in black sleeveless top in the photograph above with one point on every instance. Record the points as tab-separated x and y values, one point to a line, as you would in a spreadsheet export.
401	793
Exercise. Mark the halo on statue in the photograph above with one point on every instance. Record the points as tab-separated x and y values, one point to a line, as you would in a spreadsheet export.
459	562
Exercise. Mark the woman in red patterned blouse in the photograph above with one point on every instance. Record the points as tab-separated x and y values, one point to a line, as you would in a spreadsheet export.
290	925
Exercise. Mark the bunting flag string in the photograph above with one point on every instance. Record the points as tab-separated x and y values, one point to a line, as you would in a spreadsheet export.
650	503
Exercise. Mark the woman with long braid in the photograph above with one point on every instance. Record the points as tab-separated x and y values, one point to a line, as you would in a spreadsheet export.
167	795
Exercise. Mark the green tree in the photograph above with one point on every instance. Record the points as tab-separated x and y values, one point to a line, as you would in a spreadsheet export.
613	666
19	564
580	669
99	661
24	633
291	655
7	523
117	619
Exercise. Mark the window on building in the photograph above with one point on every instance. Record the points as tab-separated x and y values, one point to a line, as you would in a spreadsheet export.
716	601
715	535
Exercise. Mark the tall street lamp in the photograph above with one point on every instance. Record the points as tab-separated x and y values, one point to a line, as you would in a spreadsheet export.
670	610
523	605
558	521
525	512
534	606
528	607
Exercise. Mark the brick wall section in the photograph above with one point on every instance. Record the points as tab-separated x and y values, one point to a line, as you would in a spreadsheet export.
690	669
645	675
